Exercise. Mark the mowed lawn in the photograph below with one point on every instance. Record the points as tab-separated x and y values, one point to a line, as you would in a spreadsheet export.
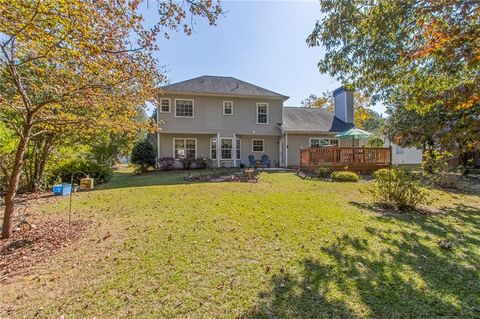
281	248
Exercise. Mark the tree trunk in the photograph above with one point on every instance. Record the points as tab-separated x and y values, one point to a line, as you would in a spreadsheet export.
13	183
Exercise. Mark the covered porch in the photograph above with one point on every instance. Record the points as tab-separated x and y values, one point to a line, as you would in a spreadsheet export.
363	160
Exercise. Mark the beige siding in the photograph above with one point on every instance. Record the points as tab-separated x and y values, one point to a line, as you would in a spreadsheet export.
203	147
209	118
297	141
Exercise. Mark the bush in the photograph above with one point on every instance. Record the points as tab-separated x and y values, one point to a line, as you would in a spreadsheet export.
63	173
143	155
445	180
166	162
187	162
323	172
345	176
434	162
397	188
203	162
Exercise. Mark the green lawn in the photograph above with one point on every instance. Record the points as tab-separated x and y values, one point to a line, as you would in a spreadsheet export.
281	248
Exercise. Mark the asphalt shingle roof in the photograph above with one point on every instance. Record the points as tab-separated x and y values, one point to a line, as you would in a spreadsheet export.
301	119
221	85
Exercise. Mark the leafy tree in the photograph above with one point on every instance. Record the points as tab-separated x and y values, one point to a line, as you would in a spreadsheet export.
143	155
84	64
419	56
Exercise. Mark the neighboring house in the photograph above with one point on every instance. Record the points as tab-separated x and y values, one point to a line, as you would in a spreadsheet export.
228	120
404	155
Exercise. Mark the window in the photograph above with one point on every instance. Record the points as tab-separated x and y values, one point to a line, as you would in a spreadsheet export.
165	106
227	108
183	108
399	150
226	148
320	142
213	148
258	146
238	148
184	148
262	113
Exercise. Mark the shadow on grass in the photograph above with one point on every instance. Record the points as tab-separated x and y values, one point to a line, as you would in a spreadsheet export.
409	276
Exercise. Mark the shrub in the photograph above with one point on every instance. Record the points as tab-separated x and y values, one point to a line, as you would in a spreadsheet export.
323	172
434	162
203	162
445	180
345	176
166	162
143	155
100	173
397	188
186	162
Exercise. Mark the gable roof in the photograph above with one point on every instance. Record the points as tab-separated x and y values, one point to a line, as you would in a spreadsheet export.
301	119
222	85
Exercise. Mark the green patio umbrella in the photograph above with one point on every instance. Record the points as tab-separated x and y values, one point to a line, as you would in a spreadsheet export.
354	133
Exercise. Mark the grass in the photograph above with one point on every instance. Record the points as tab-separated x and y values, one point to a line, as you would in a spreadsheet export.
281	248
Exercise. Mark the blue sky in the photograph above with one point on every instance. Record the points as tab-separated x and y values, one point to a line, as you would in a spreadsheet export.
262	42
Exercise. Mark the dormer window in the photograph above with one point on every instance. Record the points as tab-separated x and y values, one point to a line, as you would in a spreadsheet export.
227	108
262	113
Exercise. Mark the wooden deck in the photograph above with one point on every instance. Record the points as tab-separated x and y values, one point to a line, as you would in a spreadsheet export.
363	160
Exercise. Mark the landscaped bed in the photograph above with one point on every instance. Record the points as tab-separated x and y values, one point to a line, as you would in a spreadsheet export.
284	247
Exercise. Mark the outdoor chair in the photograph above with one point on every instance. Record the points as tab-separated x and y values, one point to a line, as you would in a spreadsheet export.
251	160
265	160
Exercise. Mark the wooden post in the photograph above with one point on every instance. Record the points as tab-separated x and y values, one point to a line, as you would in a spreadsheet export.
334	159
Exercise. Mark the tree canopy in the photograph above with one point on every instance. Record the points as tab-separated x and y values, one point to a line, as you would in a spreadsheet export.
84	66
420	57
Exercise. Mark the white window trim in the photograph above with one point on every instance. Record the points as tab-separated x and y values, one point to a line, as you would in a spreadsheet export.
263	142
193	108
211	149
256	113
224	108
233	149
239	141
323	138
185	143
169	105
219	148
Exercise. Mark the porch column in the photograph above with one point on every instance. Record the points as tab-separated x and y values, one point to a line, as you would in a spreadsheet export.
219	151
158	149
234	151
286	149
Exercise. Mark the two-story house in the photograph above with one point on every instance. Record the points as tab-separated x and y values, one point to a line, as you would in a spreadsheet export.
228	120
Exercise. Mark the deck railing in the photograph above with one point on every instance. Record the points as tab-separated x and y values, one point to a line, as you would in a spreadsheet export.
338	157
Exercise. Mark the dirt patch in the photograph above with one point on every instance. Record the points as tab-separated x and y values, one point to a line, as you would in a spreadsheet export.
31	244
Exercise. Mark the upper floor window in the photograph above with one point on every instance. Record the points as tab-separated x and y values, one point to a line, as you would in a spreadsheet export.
183	108
227	108
319	142
164	105
262	113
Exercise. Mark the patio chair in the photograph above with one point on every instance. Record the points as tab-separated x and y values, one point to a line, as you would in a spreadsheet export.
265	160
251	160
